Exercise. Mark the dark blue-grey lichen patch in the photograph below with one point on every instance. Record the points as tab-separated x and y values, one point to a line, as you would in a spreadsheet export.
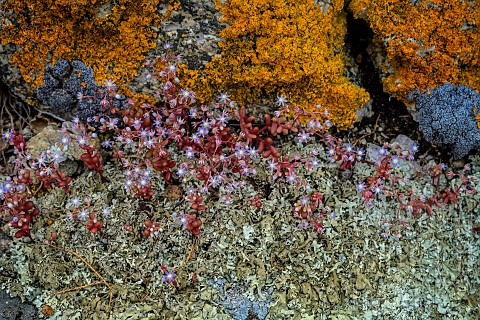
62	83
62	69
235	301
15	309
447	117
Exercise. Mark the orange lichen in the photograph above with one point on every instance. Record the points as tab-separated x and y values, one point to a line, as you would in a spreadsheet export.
282	47
428	43
477	117
111	37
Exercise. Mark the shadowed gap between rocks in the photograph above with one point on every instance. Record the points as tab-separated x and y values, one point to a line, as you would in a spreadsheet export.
392	114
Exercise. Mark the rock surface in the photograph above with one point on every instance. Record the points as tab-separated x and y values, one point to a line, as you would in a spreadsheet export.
192	32
15	309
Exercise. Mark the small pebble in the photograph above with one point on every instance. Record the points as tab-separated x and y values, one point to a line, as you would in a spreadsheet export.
460	163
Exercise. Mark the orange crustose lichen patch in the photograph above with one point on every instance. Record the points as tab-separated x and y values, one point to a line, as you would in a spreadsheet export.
477	117
288	47
109	36
428	43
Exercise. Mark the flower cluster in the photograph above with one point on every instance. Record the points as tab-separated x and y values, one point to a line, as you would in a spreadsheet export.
304	209
83	211
17	197
389	184
142	139
151	229
184	143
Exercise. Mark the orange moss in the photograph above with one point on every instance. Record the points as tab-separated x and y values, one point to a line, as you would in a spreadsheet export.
428	44
282	47
111	37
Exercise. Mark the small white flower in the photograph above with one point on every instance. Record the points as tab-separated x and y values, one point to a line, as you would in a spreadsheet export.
281	100
83	214
75	202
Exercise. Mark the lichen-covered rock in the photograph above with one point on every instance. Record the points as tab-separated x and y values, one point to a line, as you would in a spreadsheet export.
292	48
109	36
423	44
447	117
276	268
235	301
50	137
64	81
190	28
119	36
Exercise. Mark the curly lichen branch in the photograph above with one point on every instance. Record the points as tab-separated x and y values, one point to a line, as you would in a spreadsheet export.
94	271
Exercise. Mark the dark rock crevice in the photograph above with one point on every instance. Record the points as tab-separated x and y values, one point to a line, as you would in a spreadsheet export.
359	37
389	113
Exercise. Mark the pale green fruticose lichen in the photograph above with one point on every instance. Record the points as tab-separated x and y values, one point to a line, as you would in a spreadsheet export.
349	272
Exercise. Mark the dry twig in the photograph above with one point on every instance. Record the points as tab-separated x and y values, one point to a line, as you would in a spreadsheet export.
190	254
368	134
87	285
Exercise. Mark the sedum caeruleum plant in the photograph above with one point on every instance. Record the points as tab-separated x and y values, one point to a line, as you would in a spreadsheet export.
182	143
209	151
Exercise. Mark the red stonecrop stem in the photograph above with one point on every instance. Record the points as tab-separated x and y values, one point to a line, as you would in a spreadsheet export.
93	224
23	214
92	159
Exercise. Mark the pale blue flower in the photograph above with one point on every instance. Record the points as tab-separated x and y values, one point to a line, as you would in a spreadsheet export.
189	153
281	100
413	148
169	277
291	178
361	186
382	152
83	214
395	161
303	137
224	97
75	202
